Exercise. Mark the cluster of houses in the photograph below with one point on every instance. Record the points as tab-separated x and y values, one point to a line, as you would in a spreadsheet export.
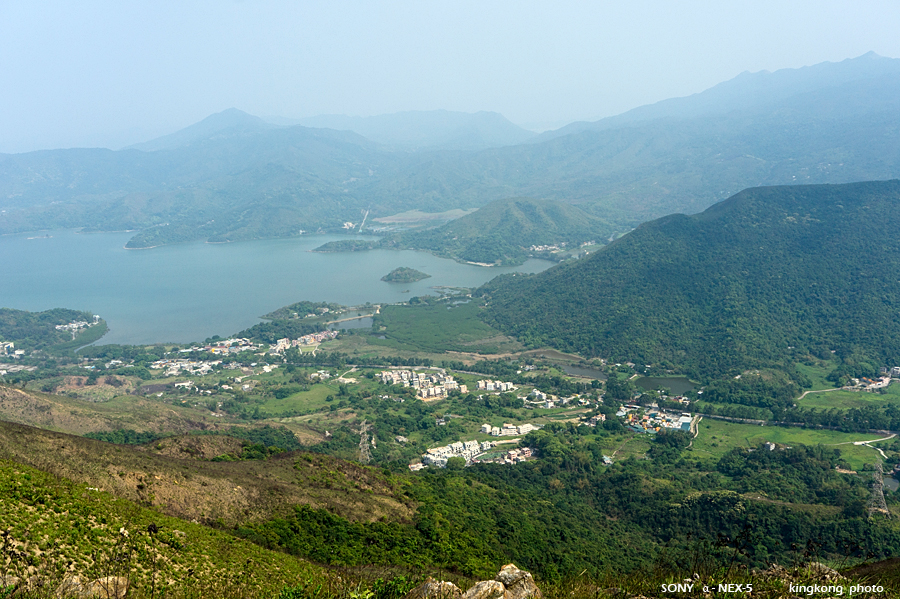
872	384
508	430
489	385
312	339
74	327
544	400
429	385
653	420
180	365
11	368
514	456
8	348
232	346
438	456
547	248
595	420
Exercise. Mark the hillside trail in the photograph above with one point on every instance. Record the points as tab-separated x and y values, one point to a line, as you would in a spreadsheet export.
805	393
868	444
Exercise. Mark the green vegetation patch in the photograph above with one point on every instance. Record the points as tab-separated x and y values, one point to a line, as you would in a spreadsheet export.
55	527
507	232
32	331
405	275
718	437
347	245
439	325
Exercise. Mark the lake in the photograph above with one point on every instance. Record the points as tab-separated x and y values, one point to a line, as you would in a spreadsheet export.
589	373
191	291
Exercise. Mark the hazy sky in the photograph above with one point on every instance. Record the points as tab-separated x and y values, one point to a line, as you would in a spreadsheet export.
88	73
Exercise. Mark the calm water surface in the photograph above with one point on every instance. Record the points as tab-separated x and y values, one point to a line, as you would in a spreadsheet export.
191	291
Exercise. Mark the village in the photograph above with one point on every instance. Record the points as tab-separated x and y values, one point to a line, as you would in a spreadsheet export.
437	384
652	420
75	327
429	386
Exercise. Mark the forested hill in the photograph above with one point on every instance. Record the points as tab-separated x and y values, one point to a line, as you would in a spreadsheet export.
505	230
769	273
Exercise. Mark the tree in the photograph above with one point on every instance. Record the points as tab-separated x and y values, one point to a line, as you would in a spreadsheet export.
456	463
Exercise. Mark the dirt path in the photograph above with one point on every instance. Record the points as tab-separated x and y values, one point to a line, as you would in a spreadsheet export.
620	447
805	393
868	444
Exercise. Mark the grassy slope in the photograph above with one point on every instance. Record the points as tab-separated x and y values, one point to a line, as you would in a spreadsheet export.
224	492
78	416
57	527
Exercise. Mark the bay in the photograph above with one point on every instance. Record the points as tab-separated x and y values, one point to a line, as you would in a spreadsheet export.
191	291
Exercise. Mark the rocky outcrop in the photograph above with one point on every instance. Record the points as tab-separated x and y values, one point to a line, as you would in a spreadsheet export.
510	583
519	583
435	589
108	587
487	589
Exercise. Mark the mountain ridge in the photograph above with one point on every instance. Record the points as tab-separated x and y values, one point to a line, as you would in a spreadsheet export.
768	275
234	184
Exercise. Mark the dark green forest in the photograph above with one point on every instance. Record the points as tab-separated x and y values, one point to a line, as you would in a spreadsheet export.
765	277
565	513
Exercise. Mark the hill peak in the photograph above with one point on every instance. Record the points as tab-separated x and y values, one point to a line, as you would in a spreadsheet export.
230	122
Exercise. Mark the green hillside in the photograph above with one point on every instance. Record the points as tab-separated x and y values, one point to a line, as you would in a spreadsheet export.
32	331
54	528
505	231
768	274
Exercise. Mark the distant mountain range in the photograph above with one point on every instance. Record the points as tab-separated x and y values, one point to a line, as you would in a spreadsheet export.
771	274
429	130
234	176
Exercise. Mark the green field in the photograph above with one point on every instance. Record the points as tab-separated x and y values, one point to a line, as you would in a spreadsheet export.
439	326
817	373
717	437
845	400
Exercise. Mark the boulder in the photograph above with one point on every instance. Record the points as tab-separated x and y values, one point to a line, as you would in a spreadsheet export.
108	587
519	583
33	585
435	589
7	582
71	586
487	589
822	573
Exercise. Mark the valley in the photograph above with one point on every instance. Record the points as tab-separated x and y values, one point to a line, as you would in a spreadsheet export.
454	416
354	352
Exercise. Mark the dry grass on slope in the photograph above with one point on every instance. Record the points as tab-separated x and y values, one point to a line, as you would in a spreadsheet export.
79	416
224	493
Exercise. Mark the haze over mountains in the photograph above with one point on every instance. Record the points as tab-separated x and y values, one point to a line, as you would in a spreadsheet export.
234	176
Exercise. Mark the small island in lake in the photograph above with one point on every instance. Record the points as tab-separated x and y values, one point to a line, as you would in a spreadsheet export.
404	275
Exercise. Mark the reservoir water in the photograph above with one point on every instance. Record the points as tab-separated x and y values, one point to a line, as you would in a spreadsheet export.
191	291
589	373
